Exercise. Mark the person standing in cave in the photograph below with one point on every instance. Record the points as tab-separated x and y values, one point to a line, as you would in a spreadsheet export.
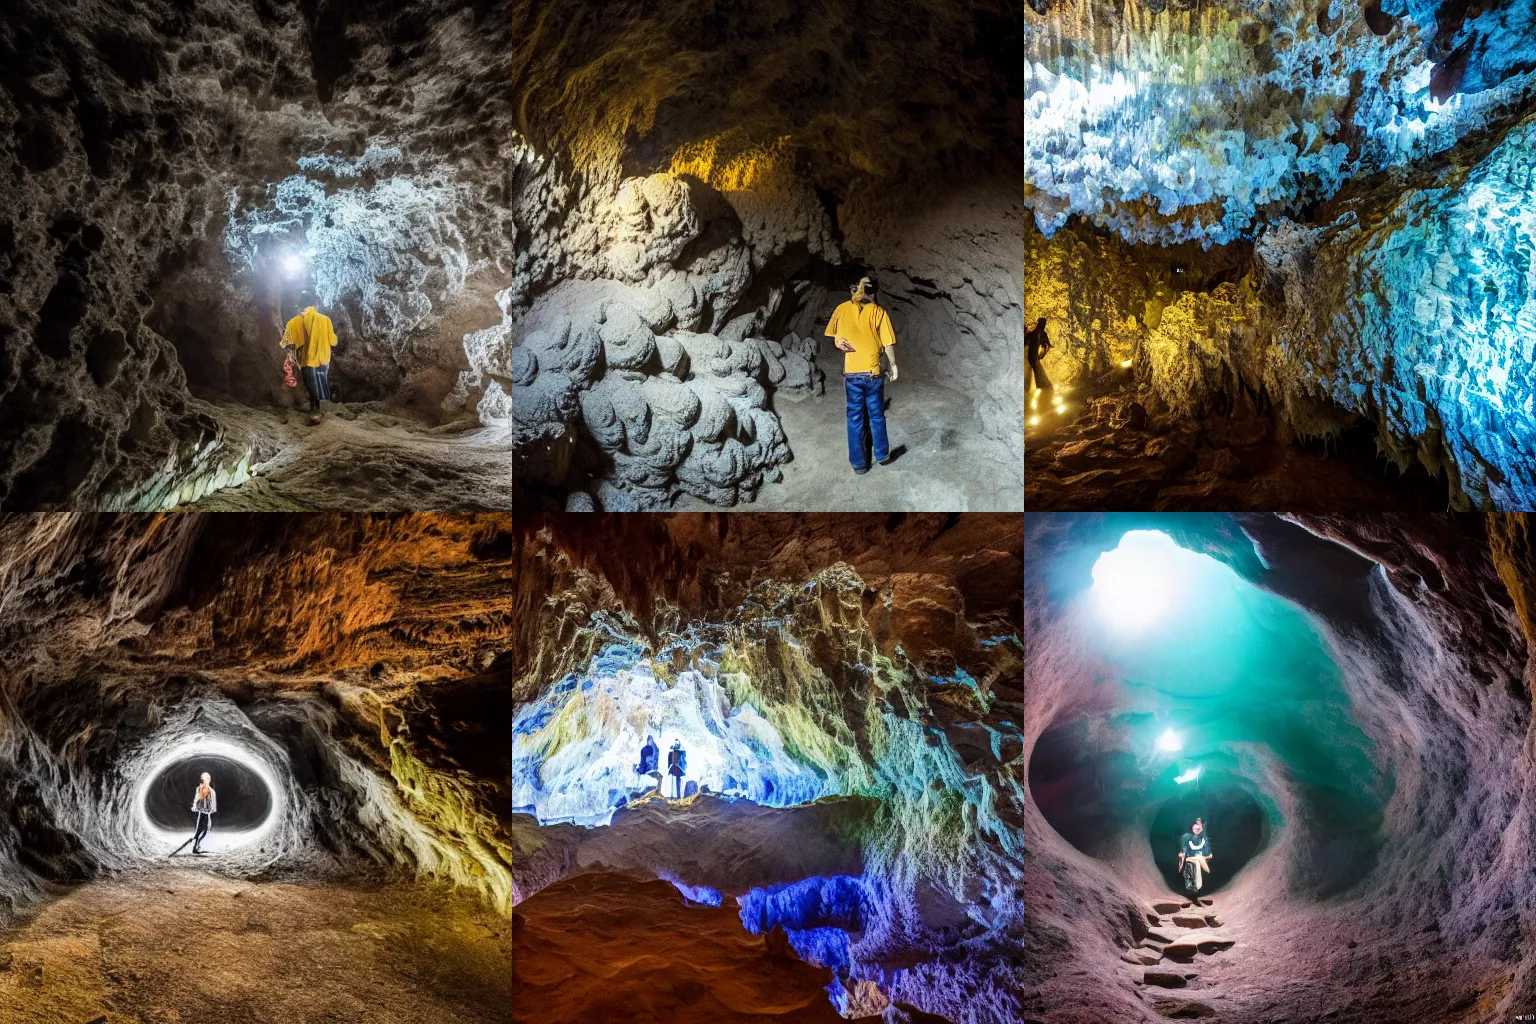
311	335
677	767
1194	858
205	804
1036	344
862	330
650	756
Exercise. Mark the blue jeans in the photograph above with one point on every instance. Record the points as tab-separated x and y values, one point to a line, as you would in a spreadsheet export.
317	381
866	406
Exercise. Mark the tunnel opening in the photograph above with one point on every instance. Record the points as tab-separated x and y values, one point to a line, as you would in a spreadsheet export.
244	802
1233	821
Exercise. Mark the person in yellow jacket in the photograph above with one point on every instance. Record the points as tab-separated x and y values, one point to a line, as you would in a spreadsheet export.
311	335
862	331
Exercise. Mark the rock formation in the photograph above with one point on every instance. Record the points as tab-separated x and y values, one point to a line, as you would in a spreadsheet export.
1290	223
353	667
176	173
707	188
1362	685
844	688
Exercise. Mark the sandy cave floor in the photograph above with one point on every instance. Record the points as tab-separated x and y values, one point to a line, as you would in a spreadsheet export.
364	459
942	468
184	944
601	946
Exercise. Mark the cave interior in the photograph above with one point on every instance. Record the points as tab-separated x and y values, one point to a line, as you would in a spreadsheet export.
1345	701
1282	250
844	841
340	679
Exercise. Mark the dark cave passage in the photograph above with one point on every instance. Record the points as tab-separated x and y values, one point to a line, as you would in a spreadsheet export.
1232	818
244	801
1331	696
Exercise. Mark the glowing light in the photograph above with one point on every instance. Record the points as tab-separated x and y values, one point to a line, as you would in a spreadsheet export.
1135	584
1125	364
1170	741
1034	421
1189	776
205	746
293	263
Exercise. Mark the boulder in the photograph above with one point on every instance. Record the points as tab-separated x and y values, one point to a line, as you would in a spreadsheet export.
1164	979
1188	921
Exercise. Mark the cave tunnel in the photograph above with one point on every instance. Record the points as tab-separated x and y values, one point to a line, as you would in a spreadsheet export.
243	795
183	181
358	840
1343	703
828	677
1246	228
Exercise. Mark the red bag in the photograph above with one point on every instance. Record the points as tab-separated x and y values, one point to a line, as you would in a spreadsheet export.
288	378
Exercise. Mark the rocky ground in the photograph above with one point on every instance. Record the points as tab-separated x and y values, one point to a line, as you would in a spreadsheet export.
182	944
1105	452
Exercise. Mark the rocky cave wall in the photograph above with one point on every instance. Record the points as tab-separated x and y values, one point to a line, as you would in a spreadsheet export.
164	157
881	658
707	186
354	663
1430	627
1385	286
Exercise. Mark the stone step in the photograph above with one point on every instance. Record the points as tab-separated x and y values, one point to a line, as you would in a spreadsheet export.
1157	936
1185	947
1166	979
1188	921
1141	957
1169	906
1183	1009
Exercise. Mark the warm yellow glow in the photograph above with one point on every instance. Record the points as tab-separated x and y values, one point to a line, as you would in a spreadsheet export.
1126	363
727	163
1034	421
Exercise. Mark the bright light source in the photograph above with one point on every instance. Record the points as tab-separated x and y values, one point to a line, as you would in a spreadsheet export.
293	263
209	746
1138	582
1125	363
1170	741
1189	776
1034	421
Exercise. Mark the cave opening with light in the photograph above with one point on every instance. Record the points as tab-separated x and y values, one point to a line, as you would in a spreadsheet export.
1283	253
843	842
1344	703
181	179
358	855
704	186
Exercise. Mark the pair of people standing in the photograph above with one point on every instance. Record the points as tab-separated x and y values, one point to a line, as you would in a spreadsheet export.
677	763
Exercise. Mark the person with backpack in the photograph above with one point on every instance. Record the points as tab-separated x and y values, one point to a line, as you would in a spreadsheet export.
205	804
311	335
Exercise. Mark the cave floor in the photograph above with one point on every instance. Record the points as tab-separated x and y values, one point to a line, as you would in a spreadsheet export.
943	466
188	945
360	459
1099	454
600	946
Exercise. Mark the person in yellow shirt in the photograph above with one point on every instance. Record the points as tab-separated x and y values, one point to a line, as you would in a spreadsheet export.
862	331
311	335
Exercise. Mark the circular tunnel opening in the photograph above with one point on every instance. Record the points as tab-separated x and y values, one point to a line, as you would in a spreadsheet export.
1086	792
244	801
1235	826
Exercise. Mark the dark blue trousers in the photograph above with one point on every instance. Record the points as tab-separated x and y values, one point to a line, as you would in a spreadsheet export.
866	409
317	381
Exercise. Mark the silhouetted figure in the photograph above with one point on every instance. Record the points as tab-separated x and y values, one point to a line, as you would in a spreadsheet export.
1037	343
1194	858
205	804
677	767
649	755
